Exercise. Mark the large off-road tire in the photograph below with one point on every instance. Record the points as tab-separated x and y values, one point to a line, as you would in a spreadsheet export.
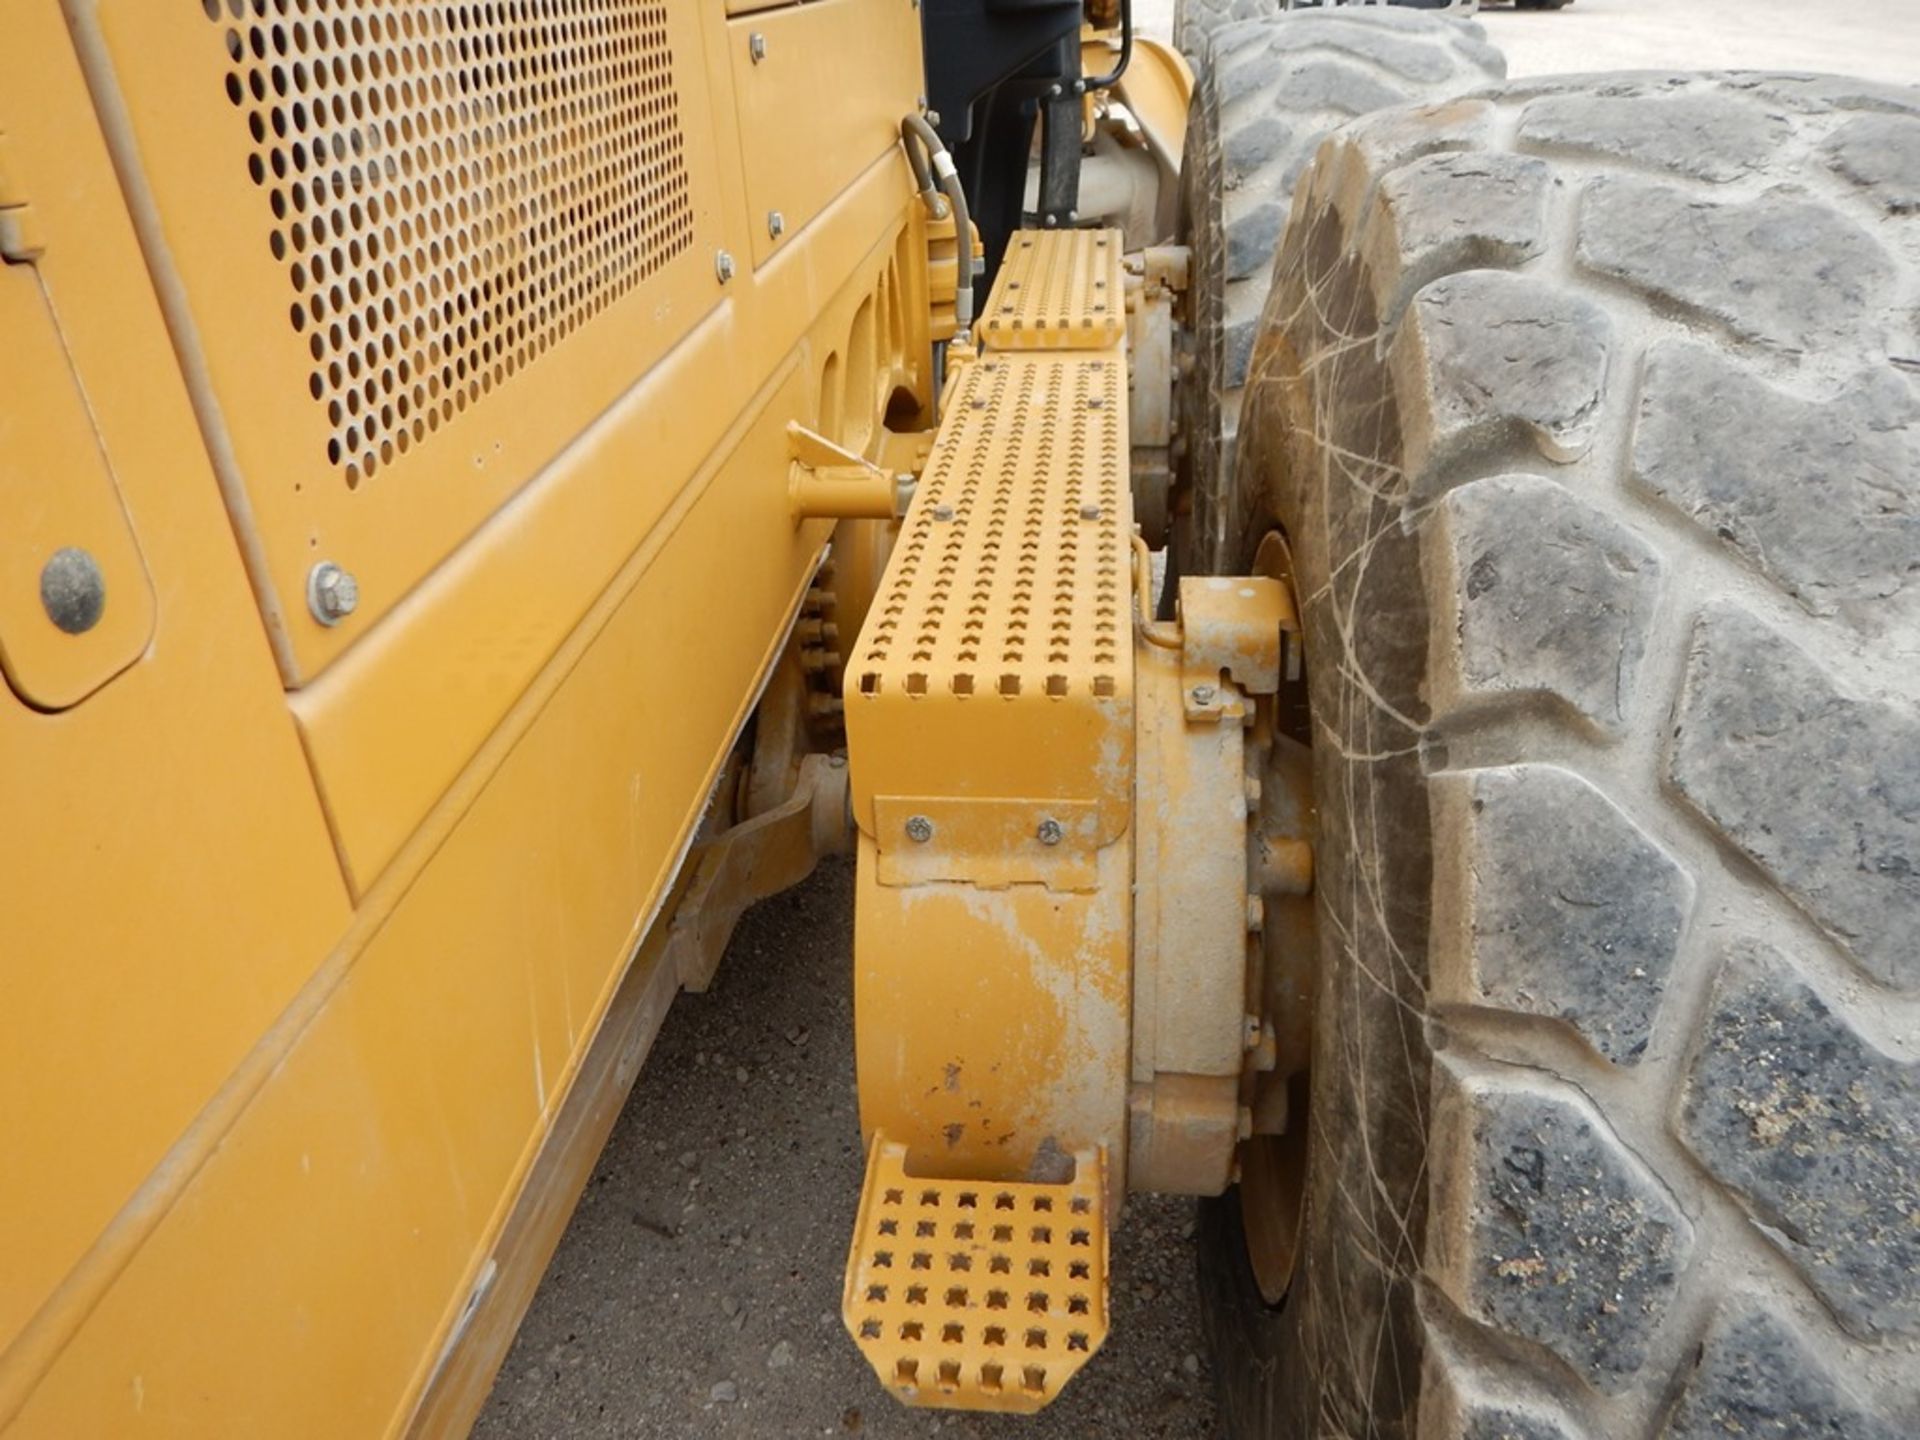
1592	412
1277	86
1194	21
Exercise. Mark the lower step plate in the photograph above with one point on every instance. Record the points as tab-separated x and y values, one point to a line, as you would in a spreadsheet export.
977	1295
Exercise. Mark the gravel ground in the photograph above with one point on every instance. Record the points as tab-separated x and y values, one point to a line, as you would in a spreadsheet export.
697	1292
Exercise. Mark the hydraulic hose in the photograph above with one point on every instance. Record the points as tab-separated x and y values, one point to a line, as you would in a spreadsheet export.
1155	632
931	163
1112	78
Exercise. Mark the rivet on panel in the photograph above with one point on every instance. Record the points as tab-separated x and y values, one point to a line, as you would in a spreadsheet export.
73	591
1049	832
756	47
776	224
722	266
919	829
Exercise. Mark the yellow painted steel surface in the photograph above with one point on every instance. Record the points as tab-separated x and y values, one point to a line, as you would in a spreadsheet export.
990	727
299	982
982	1297
414	260
1157	88
62	501
798	137
168	881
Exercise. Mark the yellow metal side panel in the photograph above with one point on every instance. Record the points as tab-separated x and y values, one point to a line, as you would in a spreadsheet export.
1058	290
418	247
166	879
991	1024
807	117
327	1246
391	724
60	496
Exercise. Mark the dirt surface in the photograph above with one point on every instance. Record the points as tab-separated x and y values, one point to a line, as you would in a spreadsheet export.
697	1292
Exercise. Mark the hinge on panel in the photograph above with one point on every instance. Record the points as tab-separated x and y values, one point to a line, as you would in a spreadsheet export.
21	239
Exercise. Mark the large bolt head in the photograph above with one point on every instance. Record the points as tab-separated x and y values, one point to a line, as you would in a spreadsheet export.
73	591
332	593
919	829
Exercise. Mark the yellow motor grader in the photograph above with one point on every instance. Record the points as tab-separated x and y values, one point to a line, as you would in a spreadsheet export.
489	489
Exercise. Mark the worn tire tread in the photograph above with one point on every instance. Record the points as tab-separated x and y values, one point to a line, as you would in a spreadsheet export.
1619	726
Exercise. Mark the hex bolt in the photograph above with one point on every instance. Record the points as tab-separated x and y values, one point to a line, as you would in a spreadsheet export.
1089	512
943	512
756	47
332	593
776	224
919	829
722	266
1203	694
1049	832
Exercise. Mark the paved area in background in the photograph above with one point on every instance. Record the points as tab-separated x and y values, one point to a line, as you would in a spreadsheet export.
1877	39
697	1291
1874	39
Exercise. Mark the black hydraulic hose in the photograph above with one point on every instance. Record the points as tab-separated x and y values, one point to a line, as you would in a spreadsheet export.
1108	81
937	166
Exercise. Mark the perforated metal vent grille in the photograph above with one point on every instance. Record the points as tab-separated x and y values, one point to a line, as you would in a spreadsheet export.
454	189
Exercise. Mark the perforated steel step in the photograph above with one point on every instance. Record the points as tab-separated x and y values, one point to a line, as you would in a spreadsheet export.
1057	290
977	1295
1002	630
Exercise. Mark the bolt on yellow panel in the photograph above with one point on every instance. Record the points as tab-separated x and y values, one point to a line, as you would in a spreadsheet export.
1057	290
977	1295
